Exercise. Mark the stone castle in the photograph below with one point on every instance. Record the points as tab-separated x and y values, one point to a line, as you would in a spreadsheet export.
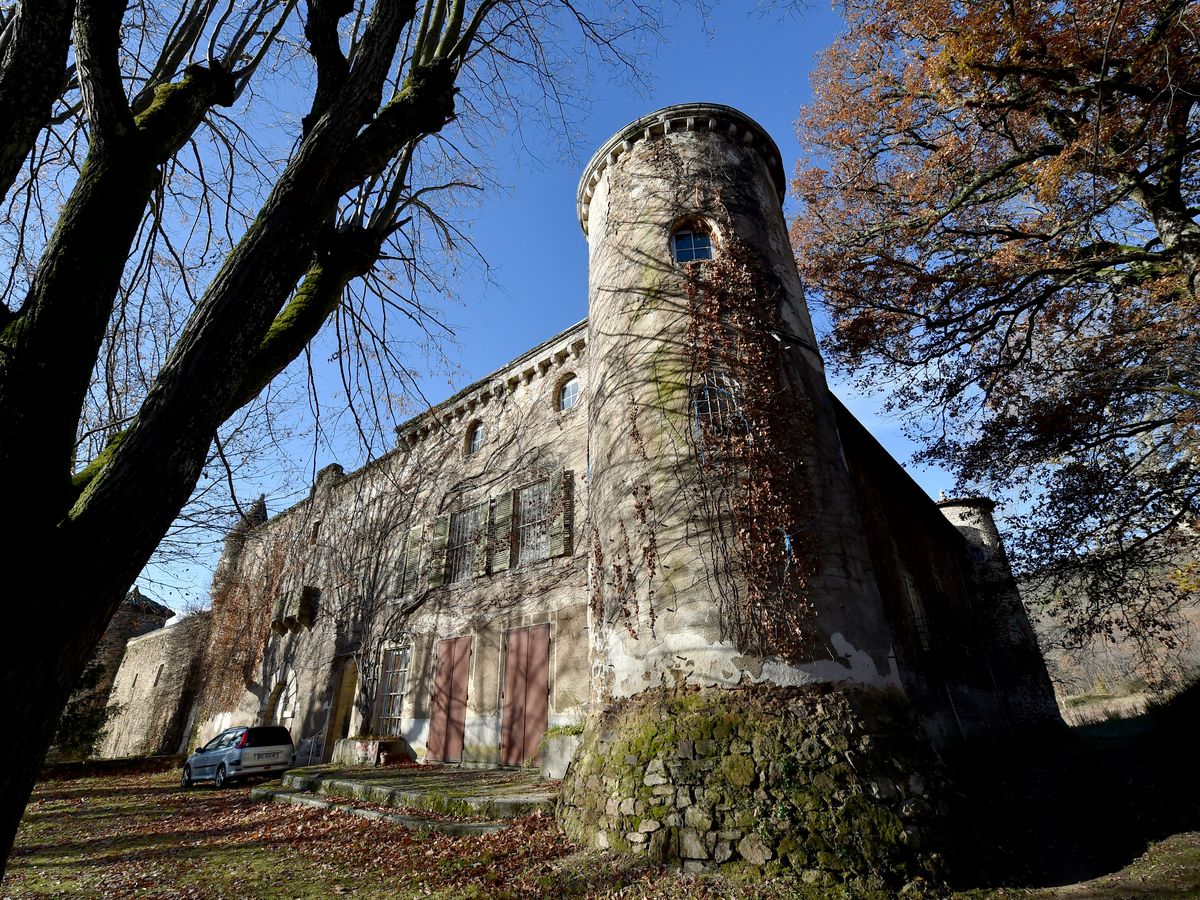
658	528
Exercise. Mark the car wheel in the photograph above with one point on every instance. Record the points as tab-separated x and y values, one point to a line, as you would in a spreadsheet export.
222	778
186	781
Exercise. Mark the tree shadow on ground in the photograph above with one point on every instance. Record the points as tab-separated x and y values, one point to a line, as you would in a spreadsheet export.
1075	805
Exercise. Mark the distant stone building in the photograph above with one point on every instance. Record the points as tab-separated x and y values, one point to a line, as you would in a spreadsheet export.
154	692
660	522
84	722
137	615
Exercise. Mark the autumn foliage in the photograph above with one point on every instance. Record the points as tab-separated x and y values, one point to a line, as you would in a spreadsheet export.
999	214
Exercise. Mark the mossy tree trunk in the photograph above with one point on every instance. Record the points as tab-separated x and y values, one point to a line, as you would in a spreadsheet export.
76	541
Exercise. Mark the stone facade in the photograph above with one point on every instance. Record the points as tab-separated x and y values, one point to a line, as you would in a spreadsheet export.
137	615
154	690
766	625
838	784
84	723
365	568
761	568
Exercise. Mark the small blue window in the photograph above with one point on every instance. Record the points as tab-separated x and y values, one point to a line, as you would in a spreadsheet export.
688	245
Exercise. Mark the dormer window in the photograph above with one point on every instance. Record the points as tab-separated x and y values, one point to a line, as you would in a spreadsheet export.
689	244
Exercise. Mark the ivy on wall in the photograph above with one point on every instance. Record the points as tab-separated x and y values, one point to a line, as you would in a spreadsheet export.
751	443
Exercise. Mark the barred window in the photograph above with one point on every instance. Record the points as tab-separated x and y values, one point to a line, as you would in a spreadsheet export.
393	678
532	525
716	403
460	549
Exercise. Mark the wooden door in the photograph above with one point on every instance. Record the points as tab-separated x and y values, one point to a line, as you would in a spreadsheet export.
526	694
343	705
447	725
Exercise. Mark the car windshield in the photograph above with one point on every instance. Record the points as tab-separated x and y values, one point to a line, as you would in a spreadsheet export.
268	737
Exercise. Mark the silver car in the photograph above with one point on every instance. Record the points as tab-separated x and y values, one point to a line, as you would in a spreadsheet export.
238	752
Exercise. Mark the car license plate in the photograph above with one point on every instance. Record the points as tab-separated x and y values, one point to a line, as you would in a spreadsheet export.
266	756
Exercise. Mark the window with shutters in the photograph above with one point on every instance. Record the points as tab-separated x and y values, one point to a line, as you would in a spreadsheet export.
461	545
410	561
531	514
502	533
393	679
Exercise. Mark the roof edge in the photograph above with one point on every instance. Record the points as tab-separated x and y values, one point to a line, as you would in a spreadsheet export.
680	117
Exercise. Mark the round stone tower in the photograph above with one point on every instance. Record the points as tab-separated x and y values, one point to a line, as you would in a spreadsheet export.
727	548
1022	682
748	703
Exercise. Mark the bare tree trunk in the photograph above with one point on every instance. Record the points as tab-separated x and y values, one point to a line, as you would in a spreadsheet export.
49	638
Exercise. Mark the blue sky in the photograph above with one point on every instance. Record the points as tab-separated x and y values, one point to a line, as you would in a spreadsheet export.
757	60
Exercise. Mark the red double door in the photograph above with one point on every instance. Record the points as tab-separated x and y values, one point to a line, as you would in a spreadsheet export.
447	727
526	694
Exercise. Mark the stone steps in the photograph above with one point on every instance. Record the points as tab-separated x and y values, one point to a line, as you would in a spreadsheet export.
455	800
277	793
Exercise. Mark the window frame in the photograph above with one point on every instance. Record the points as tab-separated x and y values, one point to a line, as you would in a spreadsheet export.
567	381
476	428
916	609
389	704
716	404
462	553
521	528
692	230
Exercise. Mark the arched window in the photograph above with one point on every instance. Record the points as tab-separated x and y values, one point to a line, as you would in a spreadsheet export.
280	707
476	435
691	242
568	393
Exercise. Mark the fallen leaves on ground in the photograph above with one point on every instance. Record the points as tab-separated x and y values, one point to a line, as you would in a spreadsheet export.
139	835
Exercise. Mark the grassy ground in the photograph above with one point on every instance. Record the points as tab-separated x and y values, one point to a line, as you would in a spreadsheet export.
138	835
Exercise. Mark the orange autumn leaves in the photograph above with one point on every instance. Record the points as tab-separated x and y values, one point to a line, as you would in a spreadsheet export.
999	214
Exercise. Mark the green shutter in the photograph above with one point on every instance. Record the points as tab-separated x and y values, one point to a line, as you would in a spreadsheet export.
561	513
502	532
412	559
437	559
479	565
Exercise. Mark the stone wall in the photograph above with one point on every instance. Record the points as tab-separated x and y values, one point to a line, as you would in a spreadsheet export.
967	656
1017	666
152	694
137	615
834	783
82	724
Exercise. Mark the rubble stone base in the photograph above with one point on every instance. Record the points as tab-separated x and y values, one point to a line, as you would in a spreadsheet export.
836	783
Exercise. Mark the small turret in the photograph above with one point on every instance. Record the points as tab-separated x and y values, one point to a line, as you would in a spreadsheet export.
1022	682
